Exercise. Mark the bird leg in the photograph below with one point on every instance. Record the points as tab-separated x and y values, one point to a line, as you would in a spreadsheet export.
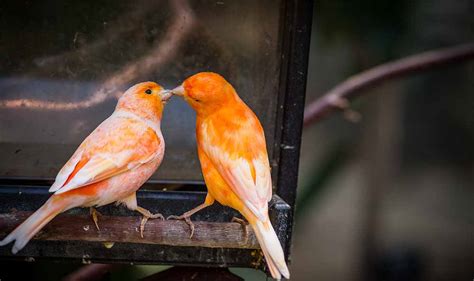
186	216
94	213
147	215
244	224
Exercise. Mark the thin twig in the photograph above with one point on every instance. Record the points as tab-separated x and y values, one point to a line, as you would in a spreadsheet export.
338	97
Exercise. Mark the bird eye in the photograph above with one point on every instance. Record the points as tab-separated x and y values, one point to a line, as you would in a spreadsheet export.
148	92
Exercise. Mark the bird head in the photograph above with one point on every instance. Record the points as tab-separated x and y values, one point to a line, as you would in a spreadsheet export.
206	92
145	99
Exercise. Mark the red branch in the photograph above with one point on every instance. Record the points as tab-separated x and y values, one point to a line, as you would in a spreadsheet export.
337	98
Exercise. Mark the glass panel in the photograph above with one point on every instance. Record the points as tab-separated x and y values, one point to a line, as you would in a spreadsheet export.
64	65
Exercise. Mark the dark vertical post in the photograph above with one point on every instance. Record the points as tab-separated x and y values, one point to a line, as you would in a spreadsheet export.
296	40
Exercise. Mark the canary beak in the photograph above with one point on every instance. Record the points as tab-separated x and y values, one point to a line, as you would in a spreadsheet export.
179	91
166	95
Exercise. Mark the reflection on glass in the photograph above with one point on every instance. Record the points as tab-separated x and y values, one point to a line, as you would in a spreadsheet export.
65	64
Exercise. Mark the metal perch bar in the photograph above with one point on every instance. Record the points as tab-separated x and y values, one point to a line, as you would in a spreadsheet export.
73	236
126	229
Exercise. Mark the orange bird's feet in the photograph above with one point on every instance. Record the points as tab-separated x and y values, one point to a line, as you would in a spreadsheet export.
186	219
244	224
186	216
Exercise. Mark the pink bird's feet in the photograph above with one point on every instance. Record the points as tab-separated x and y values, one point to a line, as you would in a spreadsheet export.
95	217
146	216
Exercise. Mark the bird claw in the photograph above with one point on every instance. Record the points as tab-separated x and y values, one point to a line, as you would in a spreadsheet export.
142	225
239	221
94	213
158	216
186	219
244	225
145	219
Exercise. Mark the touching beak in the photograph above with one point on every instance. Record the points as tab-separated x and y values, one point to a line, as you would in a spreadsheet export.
179	91
166	95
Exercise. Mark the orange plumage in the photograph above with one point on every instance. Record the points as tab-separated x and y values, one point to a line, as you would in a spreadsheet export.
110	165
234	160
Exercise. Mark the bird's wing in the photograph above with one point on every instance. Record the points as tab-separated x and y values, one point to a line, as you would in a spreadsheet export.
116	146
238	151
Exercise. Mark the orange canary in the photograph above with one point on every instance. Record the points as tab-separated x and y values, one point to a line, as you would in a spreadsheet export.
234	159
110	165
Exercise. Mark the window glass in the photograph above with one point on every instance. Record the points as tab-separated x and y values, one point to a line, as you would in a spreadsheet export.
64	63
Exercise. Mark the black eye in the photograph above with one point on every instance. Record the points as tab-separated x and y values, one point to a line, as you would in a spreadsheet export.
148	92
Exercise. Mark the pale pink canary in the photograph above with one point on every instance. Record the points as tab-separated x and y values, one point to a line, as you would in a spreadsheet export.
110	165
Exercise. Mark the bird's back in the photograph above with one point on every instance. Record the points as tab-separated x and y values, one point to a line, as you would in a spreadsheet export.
234	128
233	140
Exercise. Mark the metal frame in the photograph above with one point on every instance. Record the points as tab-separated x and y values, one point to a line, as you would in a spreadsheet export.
296	42
24	195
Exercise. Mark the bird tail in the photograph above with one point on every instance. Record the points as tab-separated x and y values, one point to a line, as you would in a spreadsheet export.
271	248
25	231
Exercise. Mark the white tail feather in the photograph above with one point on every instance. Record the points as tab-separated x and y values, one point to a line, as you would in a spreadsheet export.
25	231
271	248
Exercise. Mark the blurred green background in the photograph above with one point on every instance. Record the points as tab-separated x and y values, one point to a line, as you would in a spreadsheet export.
391	197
